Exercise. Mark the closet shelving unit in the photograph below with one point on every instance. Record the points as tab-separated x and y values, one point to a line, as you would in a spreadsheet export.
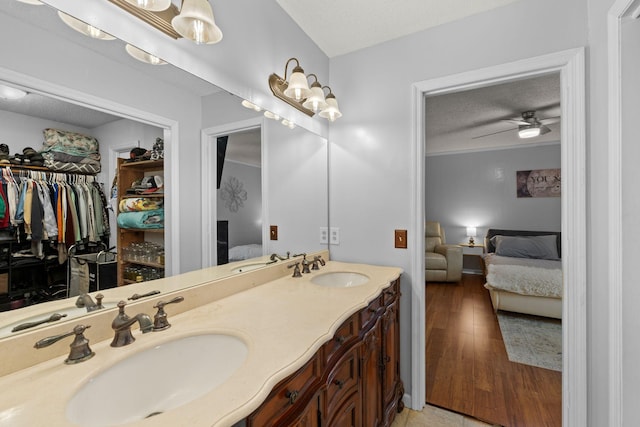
128	172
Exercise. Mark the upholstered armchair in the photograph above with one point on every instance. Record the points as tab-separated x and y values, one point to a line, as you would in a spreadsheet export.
443	263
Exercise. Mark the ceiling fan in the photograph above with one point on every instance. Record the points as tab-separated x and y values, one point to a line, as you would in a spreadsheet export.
529	126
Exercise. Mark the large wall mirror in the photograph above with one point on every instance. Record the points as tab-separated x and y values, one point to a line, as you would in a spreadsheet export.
94	87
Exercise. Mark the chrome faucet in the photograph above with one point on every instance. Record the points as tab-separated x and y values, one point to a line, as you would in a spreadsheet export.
296	269
85	300
305	264
317	260
281	258
122	326
80	350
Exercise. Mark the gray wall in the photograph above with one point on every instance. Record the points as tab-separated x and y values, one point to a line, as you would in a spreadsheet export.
467	189
245	225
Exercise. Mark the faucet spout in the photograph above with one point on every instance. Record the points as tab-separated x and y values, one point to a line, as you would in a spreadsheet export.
122	326
85	300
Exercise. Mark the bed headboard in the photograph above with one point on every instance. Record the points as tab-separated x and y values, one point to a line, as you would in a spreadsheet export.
490	247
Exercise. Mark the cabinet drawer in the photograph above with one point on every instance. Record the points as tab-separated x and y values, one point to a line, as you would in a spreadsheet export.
343	379
343	337
287	396
369	314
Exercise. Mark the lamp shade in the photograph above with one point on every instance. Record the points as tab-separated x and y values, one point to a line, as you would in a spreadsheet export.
143	56
196	22
84	28
471	231
529	131
315	102
152	5
331	112
298	87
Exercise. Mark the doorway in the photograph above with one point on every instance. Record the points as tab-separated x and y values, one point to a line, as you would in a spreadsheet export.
570	64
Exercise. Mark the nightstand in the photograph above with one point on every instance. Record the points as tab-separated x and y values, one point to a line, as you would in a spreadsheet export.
473	262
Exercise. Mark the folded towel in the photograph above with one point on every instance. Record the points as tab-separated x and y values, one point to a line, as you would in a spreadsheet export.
137	204
143	219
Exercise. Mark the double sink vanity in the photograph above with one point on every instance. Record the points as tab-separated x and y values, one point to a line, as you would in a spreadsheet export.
259	347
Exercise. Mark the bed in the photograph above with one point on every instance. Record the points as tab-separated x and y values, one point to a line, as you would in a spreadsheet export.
242	252
524	271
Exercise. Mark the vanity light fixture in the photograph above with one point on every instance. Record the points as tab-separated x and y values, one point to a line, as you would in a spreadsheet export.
529	131
84	28
143	56
11	93
152	5
193	21
296	92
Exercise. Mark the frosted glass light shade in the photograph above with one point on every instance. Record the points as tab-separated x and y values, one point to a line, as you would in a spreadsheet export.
298	87
84	28
315	102
152	5
332	112
143	56
529	131
196	22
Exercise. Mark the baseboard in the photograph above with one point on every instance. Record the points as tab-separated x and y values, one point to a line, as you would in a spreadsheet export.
470	271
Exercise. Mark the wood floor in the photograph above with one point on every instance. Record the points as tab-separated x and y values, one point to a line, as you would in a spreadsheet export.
467	366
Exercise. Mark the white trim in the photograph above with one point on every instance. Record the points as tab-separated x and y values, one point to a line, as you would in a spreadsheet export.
571	66
481	150
615	249
209	168
171	135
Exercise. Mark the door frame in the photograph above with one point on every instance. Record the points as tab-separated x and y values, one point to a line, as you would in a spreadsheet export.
209	168
571	65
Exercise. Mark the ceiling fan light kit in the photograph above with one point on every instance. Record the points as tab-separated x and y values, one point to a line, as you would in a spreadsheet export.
528	131
529	126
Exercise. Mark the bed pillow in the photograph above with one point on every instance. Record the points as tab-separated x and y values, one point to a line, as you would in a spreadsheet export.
538	247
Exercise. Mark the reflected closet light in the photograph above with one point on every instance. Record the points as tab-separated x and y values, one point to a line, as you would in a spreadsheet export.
84	28
33	2
152	5
11	93
143	56
269	115
250	105
288	124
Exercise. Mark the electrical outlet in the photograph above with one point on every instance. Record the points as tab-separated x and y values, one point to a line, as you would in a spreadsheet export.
273	232
335	236
401	239
324	235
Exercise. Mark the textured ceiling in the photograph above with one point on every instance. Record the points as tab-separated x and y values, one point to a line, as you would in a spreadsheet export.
457	121
341	26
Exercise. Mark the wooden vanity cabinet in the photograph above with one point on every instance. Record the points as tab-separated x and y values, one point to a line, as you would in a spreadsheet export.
353	380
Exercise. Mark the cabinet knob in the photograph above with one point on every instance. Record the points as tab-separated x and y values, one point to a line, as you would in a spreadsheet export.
340	339
292	396
339	383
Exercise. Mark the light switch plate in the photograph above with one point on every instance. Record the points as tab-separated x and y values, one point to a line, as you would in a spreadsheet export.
401	239
334	237
273	232
324	235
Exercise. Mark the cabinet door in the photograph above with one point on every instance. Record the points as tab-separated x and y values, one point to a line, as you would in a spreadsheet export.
390	363
348	414
371	390
310	416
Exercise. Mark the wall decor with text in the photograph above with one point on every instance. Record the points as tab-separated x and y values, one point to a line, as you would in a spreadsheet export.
538	183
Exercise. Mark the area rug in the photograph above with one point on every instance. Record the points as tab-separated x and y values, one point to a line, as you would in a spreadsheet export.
532	340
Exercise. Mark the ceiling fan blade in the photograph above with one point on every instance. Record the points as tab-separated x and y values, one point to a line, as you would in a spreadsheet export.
550	120
494	133
516	122
544	129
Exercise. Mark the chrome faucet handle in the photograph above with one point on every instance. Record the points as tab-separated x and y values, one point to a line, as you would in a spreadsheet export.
99	298
317	260
296	269
160	322
80	350
148	294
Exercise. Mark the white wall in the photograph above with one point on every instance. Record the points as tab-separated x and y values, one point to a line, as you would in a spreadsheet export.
245	225
463	190
370	163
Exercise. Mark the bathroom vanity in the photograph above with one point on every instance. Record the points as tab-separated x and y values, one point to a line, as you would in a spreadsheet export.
260	347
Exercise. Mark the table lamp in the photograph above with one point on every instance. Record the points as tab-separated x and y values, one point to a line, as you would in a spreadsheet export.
471	234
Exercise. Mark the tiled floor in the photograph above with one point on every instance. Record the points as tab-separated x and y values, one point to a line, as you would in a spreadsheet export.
434	417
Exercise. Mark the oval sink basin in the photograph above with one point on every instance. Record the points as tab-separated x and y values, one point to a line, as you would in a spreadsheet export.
340	279
247	267
71	312
157	380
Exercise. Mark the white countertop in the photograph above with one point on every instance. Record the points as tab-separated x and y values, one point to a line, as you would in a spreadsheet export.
283	322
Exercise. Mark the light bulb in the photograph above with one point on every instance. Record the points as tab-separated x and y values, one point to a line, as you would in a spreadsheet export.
198	31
